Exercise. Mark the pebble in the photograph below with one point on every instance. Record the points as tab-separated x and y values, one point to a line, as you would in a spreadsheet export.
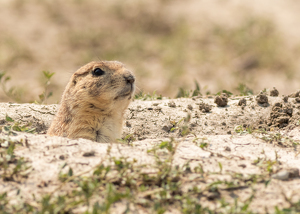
172	104
286	174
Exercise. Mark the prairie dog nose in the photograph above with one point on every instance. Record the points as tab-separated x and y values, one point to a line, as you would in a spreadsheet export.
129	79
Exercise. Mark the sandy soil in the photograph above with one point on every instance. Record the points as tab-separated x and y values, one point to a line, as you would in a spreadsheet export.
150	122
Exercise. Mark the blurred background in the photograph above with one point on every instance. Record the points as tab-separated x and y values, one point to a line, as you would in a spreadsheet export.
168	44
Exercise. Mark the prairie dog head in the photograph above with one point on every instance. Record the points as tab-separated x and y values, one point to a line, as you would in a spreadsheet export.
104	85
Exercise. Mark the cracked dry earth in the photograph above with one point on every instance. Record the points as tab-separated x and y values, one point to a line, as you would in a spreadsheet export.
230	133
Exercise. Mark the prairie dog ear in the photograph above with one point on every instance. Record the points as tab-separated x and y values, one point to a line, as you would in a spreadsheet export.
74	80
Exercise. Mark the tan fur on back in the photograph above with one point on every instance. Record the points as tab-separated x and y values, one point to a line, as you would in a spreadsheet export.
92	107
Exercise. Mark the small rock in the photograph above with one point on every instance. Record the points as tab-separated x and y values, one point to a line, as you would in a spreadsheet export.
155	104
42	184
286	174
89	154
242	165
285	99
229	132
62	157
242	102
5	144
128	124
149	108
297	99
167	128
190	107
274	92
282	175
172	104
221	100
227	148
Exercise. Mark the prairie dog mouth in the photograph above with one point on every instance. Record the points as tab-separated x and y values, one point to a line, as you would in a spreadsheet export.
125	92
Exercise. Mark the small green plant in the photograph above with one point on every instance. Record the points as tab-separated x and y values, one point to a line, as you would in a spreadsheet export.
128	139
14	168
64	176
15	126
266	164
181	125
241	130
143	96
278	139
13	93
226	92
155	187
201	142
45	95
192	93
244	90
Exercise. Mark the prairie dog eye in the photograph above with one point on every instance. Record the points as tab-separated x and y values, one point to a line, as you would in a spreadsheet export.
98	72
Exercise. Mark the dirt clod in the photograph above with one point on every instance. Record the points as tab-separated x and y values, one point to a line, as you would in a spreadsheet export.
262	99
280	115
274	92
205	107
293	173
242	102
295	94
222	100
212	195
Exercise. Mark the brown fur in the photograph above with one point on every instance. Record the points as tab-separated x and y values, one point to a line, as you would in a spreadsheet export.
92	107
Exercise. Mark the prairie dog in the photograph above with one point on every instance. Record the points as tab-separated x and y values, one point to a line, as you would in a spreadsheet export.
94	101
